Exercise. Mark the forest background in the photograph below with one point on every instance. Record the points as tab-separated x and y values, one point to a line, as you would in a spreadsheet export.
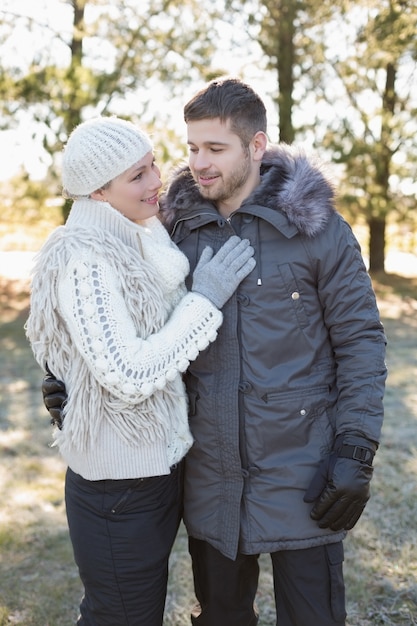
339	79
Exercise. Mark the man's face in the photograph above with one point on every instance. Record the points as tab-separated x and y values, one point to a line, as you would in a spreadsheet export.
223	169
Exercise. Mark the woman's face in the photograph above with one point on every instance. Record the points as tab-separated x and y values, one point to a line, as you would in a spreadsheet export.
134	193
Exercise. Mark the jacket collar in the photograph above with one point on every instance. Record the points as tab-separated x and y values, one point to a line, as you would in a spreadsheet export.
294	195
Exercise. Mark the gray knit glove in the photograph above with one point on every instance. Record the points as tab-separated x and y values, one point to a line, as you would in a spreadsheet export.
218	276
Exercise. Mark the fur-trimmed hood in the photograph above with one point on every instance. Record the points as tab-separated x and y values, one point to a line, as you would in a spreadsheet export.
292	183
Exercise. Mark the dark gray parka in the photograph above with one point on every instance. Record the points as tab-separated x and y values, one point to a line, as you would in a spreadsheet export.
298	360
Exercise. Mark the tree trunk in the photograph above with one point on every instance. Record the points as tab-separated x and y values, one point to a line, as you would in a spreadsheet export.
285	68
72	112
377	223
377	244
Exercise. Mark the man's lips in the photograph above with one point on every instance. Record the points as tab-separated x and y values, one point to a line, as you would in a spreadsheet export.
207	179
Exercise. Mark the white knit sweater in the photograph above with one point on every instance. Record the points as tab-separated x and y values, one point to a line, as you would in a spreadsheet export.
112	318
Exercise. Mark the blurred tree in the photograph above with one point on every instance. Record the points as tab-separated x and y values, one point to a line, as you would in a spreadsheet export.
345	70
107	53
374	136
284	30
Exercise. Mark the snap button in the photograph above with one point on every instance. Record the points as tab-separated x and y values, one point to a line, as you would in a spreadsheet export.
295	295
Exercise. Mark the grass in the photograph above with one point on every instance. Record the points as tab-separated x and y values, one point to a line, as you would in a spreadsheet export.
39	583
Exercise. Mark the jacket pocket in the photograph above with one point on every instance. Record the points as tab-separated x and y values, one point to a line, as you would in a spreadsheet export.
293	293
292	422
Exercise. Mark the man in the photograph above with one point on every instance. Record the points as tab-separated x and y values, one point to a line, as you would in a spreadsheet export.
286	406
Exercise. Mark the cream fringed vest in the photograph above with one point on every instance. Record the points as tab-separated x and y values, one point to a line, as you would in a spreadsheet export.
126	414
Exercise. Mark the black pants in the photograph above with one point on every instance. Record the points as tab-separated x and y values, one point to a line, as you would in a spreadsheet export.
122	532
308	585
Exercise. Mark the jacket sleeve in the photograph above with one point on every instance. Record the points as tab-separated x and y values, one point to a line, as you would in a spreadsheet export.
356	333
128	366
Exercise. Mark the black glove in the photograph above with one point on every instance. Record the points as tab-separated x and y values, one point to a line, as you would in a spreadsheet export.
340	487
54	397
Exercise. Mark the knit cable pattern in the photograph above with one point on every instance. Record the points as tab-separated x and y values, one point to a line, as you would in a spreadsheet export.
128	366
119	330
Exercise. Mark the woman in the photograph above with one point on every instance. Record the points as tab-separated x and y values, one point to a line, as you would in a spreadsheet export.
111	317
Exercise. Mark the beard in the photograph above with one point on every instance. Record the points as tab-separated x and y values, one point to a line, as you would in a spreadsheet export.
227	186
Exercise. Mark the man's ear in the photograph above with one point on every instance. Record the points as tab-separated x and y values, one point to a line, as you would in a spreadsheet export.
259	144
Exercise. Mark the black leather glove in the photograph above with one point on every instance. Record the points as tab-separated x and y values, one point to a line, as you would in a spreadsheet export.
54	397
340	487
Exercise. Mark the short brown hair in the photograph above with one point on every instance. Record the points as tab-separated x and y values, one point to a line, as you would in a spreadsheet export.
229	99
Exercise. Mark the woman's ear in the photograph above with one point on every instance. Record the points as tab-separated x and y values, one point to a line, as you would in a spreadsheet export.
100	194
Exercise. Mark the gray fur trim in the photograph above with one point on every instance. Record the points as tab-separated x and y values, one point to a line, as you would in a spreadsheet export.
292	183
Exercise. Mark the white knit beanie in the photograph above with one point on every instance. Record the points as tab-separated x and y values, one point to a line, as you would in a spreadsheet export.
99	150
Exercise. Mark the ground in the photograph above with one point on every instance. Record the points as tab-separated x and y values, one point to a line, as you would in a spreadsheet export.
39	584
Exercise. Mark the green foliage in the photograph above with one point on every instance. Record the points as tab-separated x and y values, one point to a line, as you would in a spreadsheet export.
27	212
374	136
109	53
340	72
113	50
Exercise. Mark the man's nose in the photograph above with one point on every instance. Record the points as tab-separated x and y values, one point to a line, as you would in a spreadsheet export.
201	160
